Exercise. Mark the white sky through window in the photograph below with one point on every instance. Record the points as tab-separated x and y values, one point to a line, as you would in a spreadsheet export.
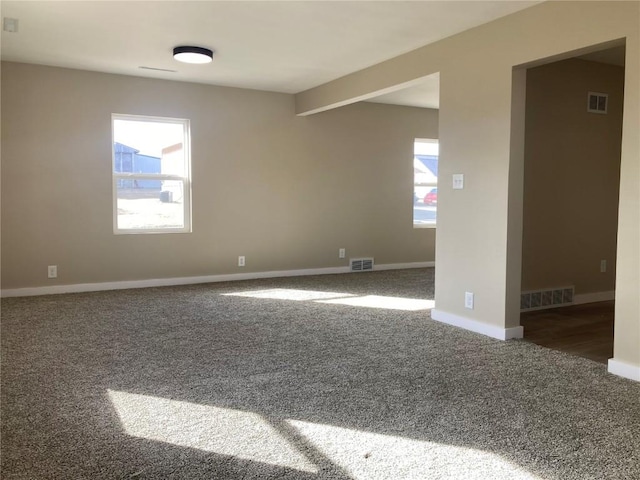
425	147
147	136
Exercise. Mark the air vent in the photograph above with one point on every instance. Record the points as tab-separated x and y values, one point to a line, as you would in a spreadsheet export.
548	298
361	264
157	69
597	102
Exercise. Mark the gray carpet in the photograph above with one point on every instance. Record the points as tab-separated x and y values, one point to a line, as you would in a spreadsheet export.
190	382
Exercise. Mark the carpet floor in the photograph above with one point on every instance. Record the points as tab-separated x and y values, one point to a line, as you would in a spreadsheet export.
327	377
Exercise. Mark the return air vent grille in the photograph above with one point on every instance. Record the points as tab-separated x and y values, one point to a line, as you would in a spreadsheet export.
361	264
597	102
549	298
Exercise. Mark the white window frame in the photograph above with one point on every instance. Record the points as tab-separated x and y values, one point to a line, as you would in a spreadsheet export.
185	179
427	185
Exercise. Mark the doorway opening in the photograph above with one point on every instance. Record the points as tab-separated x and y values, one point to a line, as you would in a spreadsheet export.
572	151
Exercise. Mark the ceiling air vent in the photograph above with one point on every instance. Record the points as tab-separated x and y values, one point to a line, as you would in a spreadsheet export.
361	264
597	102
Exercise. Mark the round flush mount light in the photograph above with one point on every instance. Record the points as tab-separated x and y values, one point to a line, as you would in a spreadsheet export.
188	54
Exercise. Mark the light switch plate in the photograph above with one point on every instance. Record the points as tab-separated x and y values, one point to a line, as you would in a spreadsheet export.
10	25
458	181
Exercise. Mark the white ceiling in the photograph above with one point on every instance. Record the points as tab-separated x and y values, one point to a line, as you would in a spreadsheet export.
285	47
612	56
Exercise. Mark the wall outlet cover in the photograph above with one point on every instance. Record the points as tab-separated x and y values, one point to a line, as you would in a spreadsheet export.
468	300
52	271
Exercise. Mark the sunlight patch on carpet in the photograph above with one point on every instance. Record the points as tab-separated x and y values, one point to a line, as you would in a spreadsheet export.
334	298
289	294
223	431
365	455
379	301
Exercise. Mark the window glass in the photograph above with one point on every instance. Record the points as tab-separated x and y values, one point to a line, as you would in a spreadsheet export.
425	182
151	181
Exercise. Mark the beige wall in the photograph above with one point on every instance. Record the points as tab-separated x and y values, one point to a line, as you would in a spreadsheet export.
572	176
287	192
479	228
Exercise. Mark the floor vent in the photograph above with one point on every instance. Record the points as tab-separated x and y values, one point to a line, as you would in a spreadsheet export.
361	264
549	298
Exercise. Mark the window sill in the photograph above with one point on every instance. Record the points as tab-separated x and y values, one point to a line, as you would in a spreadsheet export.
424	225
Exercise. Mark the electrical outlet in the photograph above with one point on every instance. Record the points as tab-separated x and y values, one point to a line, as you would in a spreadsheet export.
603	266
241	261
468	300
342	253
52	271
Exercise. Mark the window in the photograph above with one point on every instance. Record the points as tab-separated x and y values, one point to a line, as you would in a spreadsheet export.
151	175
425	182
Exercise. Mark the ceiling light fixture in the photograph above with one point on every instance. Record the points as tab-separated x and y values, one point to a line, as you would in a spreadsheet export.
188	54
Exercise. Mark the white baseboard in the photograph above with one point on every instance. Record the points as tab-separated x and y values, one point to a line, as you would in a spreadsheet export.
403	266
167	282
624	369
475	326
582	298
